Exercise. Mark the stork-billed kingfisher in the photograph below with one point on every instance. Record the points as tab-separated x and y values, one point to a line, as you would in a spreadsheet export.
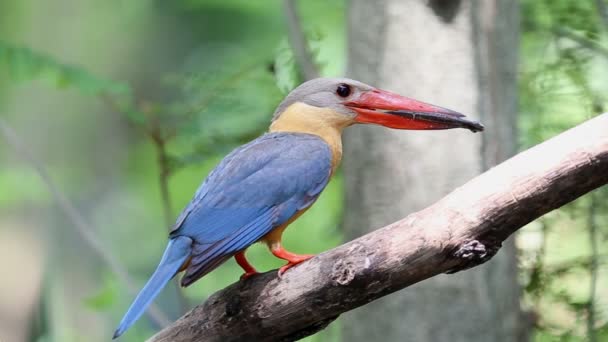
261	187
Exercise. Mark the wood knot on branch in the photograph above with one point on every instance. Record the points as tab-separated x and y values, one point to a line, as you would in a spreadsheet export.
473	253
343	273
472	250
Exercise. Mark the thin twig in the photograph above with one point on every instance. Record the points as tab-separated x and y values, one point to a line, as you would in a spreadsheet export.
84	228
164	173
297	40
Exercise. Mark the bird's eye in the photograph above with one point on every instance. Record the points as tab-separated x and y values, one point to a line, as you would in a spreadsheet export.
343	90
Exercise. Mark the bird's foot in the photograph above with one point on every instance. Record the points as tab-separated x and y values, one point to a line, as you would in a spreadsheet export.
245	265
249	274
294	259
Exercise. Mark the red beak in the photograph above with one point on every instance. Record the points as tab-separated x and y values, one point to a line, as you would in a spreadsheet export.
395	111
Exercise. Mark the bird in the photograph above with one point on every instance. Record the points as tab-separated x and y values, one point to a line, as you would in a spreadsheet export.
258	189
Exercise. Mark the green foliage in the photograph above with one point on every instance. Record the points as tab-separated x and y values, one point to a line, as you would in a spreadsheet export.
557	85
563	83
545	14
23	64
208	115
222	102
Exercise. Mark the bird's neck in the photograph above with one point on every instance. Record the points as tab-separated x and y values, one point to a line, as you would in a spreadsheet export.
322	122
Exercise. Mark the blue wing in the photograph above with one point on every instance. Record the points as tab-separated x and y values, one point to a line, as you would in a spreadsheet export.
256	188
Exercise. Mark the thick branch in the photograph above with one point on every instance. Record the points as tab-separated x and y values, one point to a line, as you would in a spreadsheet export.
462	230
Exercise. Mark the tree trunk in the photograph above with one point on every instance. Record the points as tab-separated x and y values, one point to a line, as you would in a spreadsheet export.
457	54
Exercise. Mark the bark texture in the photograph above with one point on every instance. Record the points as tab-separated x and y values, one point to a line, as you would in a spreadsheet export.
462	230
457	54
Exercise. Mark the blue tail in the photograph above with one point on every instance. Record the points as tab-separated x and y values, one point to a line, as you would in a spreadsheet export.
177	252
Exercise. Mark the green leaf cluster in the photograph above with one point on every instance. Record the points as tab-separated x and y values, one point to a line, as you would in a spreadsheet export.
22	64
563	83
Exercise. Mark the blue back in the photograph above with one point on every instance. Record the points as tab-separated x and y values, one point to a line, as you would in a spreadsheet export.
257	187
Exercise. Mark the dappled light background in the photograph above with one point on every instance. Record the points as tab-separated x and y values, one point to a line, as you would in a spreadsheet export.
129	104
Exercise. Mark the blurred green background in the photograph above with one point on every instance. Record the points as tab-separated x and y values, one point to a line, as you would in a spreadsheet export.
129	104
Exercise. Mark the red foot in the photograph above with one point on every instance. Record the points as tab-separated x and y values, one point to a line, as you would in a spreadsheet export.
293	259
247	275
245	265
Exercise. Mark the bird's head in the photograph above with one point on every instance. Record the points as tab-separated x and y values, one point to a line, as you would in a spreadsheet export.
343	102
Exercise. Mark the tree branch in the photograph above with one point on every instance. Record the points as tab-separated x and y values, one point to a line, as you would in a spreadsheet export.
83	228
298	43
460	231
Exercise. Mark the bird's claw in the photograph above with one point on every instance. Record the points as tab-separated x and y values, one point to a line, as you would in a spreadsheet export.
284	268
293	262
248	275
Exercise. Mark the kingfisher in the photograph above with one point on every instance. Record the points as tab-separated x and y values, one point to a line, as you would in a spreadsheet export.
258	189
